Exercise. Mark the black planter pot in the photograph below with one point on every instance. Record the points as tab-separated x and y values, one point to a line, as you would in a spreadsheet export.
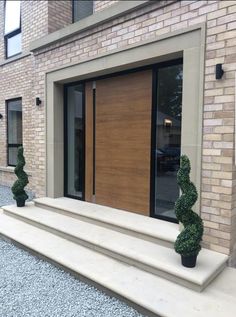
189	261
20	202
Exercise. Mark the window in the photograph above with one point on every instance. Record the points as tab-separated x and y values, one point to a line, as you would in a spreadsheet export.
14	129
82	9
12	30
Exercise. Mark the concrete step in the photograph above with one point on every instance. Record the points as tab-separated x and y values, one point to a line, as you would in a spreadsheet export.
145	255
152	295
150	229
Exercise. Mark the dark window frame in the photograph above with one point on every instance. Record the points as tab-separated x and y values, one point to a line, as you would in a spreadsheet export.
10	35
73	11
13	145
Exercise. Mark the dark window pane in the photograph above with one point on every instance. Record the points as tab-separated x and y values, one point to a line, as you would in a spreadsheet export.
12	156
75	141
12	16
14	129
82	9
13	45
168	138
14	122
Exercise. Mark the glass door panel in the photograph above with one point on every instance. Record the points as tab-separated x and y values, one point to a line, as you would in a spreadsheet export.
168	139
74	141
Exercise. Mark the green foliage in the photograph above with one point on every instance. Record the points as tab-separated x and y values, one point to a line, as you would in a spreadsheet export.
170	84
19	185
188	241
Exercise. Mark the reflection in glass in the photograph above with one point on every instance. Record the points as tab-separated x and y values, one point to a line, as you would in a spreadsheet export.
12	30
168	139
82	9
14	45
75	141
14	129
12	15
12	156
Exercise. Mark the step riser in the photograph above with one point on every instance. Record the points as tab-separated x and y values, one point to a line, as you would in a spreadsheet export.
111	253
100	223
82	277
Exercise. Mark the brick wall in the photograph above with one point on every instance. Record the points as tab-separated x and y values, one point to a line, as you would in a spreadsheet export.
59	14
7	178
100	4
218	186
17	80
14	84
33	21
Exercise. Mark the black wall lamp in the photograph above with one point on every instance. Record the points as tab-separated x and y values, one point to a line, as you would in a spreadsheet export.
38	101
219	71
1	116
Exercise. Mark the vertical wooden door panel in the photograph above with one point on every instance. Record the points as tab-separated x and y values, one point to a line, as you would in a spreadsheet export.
123	140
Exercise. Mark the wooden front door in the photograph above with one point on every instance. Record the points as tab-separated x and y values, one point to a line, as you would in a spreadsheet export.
120	141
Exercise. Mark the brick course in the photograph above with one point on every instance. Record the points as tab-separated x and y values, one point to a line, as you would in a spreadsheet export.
59	14
101	5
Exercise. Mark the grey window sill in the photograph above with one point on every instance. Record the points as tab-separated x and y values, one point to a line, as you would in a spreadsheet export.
14	58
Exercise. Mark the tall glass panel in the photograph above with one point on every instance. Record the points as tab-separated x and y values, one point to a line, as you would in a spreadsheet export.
75	141
14	129
168	139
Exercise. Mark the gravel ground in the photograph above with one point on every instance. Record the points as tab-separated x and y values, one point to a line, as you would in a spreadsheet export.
6	197
31	287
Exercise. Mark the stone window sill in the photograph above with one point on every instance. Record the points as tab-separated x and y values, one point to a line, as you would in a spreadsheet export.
10	169
13	59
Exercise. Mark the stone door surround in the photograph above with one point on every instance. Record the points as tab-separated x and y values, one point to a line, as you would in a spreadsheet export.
189	44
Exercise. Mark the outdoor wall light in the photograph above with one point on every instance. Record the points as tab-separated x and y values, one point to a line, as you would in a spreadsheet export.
38	101
219	71
1	116
167	123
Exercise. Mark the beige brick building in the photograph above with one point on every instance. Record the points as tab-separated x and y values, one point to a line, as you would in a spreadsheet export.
148	45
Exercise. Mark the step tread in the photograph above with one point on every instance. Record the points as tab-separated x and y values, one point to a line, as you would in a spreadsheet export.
160	296
155	256
131	221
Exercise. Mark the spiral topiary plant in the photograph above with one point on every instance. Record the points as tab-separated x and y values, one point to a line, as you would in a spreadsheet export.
188	241
18	187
